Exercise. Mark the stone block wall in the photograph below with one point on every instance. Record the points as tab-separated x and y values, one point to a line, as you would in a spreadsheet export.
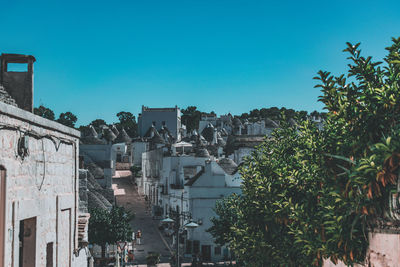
383	251
42	183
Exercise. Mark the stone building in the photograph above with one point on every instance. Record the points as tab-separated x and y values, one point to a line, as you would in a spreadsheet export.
191	185
218	179
39	179
240	146
159	118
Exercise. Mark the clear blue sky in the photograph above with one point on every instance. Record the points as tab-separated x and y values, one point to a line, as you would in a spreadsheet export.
96	58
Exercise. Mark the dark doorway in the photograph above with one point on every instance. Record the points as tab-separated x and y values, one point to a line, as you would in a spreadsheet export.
206	253
49	254
27	242
2	213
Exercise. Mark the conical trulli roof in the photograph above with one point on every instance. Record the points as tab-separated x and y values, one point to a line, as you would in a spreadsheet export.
123	137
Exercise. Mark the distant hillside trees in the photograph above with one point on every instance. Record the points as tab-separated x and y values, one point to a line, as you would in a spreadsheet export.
127	121
44	112
66	118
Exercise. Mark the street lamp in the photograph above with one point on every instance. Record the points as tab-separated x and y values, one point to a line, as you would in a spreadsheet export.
190	225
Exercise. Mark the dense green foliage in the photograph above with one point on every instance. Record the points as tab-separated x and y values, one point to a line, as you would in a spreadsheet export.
44	112
311	194
127	121
109	226
66	118
191	117
275	114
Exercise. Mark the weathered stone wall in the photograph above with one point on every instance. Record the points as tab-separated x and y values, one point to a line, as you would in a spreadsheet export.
383	251
42	184
104	157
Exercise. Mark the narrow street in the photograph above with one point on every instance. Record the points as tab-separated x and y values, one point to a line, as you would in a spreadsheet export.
151	241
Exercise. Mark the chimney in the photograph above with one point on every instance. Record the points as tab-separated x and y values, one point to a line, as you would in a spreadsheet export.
19	85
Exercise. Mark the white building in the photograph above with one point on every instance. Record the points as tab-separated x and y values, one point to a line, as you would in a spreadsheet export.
191	185
138	148
222	122
104	156
159	118
218	179
39	181
176	171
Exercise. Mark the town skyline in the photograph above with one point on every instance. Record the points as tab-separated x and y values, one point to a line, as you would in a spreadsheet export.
98	59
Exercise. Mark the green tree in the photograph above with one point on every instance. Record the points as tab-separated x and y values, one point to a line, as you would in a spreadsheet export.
281	184
109	227
68	119
127	121
191	118
44	112
310	194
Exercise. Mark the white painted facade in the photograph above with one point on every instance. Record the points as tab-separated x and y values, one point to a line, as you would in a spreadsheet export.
222	122
192	185
212	185
138	148
40	190
105	156
176	171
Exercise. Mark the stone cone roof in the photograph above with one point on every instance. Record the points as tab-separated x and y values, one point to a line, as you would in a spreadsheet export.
108	135
92	138
202	153
95	170
237	122
166	134
123	137
224	132
271	123
220	140
153	135
93	131
95	197
228	165
115	130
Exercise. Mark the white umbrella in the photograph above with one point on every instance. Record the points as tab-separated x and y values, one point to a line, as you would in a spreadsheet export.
182	144
191	225
167	220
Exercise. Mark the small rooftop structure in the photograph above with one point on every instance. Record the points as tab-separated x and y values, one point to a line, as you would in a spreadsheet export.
18	84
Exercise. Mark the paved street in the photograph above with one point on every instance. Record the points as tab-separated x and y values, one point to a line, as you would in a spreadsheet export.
151	241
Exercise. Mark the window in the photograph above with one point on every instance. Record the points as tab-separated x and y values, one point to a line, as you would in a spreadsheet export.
196	246
27	241
189	247
49	254
17	67
2	209
217	250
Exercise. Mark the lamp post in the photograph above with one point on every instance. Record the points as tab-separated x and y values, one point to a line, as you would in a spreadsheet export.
178	228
